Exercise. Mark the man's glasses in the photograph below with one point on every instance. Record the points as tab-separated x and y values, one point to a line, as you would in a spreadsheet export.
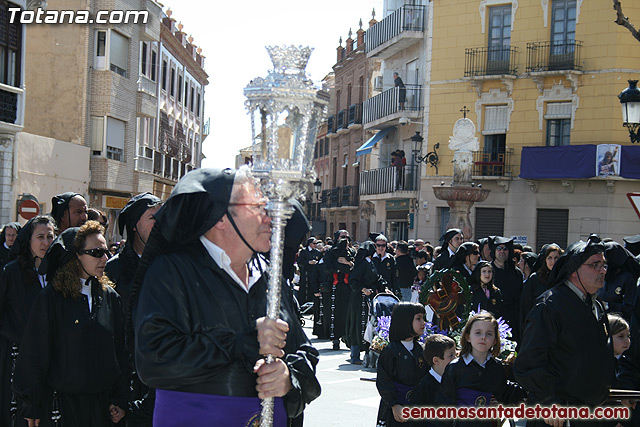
598	265
257	207
501	248
96	253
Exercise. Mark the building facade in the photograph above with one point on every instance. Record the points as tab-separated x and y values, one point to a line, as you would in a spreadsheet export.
336	162
540	81
119	107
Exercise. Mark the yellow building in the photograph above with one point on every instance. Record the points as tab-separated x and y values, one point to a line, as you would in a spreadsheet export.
540	81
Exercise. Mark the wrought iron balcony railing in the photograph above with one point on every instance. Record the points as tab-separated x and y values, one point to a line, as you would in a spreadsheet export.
355	115
487	61
553	56
345	196
342	120
406	18
492	163
392	101
388	180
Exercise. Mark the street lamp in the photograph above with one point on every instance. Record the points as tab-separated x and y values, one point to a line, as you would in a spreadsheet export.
630	100
317	187
431	157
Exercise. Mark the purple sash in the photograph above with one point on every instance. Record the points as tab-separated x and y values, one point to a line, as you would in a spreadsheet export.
182	409
468	397
404	392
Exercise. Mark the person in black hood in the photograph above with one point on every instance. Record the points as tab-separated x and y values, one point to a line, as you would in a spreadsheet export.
73	361
451	241
138	220
20	284
508	278
7	238
69	210
538	282
566	357
199	308
620	284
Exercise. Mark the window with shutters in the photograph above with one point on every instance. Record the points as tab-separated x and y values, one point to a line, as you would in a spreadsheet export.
552	227
558	117
115	139
119	53
489	222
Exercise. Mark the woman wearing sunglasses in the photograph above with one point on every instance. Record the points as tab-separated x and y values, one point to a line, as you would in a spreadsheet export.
72	361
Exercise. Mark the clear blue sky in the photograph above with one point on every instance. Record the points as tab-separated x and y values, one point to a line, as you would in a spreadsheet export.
233	35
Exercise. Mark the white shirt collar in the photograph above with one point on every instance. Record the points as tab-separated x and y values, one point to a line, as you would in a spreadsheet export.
223	261
451	253
435	375
86	290
5	245
386	254
469	357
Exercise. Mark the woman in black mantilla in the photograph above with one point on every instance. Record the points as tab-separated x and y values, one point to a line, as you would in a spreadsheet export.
20	284
365	282
485	295
73	361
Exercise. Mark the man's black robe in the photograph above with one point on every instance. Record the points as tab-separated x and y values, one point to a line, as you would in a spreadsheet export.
565	356
196	331
509	281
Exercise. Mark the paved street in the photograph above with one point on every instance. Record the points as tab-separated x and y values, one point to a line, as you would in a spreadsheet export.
346	400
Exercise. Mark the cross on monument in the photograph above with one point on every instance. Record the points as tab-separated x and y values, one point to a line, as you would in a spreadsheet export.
464	111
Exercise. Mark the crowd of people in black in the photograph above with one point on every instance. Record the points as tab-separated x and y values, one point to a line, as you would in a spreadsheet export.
562	305
83	342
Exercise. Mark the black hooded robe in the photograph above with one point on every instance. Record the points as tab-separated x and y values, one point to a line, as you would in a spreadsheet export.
565	355
16	299
78	353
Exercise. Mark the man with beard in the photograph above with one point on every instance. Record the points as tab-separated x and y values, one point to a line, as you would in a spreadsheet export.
566	356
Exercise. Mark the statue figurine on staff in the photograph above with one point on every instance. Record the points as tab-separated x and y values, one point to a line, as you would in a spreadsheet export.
285	110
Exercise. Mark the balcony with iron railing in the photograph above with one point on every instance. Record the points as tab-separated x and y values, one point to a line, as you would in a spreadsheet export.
396	32
355	116
551	56
388	107
492	163
11	105
388	180
490	61
342	125
340	197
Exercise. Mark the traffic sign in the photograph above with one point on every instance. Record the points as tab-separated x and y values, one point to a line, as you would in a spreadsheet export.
28	208
634	198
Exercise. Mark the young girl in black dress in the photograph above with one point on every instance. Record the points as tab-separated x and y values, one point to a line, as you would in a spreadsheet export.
485	294
473	379
401	365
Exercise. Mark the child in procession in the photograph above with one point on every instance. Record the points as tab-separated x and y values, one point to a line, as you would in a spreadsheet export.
401	365
477	377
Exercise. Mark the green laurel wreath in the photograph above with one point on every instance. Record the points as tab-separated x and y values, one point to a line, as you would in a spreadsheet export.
434	279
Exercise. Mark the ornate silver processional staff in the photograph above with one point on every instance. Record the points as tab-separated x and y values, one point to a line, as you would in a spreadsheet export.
285	110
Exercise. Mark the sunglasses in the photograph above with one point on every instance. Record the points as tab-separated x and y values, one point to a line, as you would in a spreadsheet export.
96	253
381	245
501	248
475	253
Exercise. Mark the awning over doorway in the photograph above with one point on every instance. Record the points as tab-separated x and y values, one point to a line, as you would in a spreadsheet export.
368	146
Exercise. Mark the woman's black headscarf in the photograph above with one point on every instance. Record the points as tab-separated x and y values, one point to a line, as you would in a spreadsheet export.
447	236
133	211
366	249
461	253
14	225
59	253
